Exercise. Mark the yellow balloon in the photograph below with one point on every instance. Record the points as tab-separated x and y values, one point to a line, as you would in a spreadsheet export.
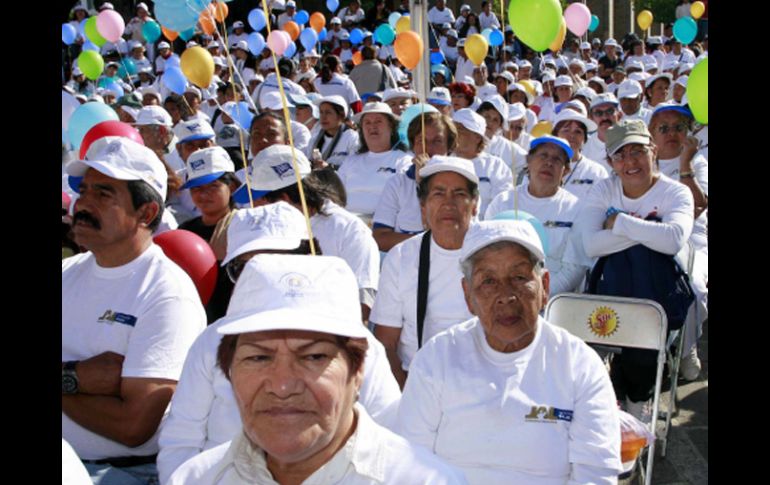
528	87
644	19
198	66
403	24
541	129
697	10
476	47
558	41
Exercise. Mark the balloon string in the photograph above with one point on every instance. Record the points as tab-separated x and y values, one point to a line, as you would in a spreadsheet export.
287	119
422	103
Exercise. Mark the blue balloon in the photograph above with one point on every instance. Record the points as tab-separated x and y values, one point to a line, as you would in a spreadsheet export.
173	61
187	34
130	65
384	34
526	216
174	79
302	17
240	114
308	38
408	115
90	46
256	43
436	58
322	35
356	36
594	23
257	19
495	38
82	27
443	70
85	117
68	33
332	5
290	50
178	16
393	19
685	30
115	88
486	32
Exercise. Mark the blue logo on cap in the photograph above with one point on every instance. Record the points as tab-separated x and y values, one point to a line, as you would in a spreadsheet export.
197	164
195	127
282	169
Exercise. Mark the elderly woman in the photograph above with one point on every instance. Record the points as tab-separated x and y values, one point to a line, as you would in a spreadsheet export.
495	110
656	89
542	196
527	403
462	95
644	216
380	155
294	350
583	173
204	413
335	141
494	175
518	131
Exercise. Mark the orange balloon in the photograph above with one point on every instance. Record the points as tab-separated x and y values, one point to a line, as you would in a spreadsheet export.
221	11
170	34
357	58
317	21
292	29
408	47
207	23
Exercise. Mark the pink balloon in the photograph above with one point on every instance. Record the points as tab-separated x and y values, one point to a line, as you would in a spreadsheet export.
578	18
110	25
278	41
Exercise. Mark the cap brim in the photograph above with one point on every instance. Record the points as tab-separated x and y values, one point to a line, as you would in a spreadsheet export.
678	109
241	195
440	167
263	243
290	319
439	102
78	168
641	139
538	252
562	145
202	180
197	137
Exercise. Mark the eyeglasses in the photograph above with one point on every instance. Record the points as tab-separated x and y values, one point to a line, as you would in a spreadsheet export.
234	269
636	154
679	128
603	112
555	160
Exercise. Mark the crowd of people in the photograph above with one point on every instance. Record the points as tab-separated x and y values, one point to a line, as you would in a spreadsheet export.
383	268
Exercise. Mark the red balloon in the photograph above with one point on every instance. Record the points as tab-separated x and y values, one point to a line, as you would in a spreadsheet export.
108	128
194	255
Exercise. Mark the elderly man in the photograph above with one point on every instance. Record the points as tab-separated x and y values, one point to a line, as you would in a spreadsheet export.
630	95
154	125
129	314
420	292
506	396
605	113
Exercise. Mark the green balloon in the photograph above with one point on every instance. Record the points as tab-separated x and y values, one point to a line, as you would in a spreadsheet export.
535	22
91	63
93	34
698	91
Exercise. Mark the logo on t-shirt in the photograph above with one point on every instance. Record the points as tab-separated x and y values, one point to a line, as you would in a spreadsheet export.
545	414
124	318
603	321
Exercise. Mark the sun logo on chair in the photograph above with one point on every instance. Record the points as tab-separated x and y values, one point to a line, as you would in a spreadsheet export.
603	321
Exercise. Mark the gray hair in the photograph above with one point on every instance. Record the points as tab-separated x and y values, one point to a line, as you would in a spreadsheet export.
538	265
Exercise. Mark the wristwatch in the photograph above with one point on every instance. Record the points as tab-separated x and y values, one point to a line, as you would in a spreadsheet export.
69	378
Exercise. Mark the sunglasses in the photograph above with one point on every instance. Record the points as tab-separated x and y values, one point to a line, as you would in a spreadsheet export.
599	113
679	128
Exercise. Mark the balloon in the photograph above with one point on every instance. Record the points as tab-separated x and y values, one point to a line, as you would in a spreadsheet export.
108	128
558	41
436	58
356	36
194	255
91	63
187	34
68	106
698	91
89	46
172	61
174	79
520	215
240	114
393	19
85	117
169	34
476	48
256	43
697	9
594	23
151	31
93	34
536	22
257	19
685	30
486	33
384	34
82	27
332	5
127	67
115	88
357	58
496	38
322	35
291	49
302	17
578	18
178	15
409	114
220	11
408	47
318	21
110	25
278	41
403	24
644	19
207	22
308	38
542	128
68	34
198	66
292	29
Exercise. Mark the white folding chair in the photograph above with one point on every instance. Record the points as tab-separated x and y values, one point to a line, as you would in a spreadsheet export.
616	322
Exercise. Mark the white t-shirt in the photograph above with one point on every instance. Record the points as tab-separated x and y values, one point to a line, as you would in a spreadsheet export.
204	413
525	138
451	54
464	68
283	18
399	206
339	85
514	156
494	178
436	16
643	114
147	310
167	223
346	145
365	175
670	168
396	303
300	134
565	259
488	21
596	150
347	16
72	470
478	408
233	39
346	55
583	177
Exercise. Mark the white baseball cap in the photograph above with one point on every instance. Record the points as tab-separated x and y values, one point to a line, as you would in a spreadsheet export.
124	159
556	140
443	163
524	63
604	98
272	170
375	107
303	100
237	24
499	104
591	66
548	75
670	65
192	130
272	100
153	115
638	76
506	75
142	5
570	115
471	121
587	93
655	77
563	81
206	165
585	45
635	64
439	96
516	111
291	4
629	89
465	7
335	20
611	42
486	233
295	292
574	105
164	45
682	81
336	100
277	226
395	93
579	63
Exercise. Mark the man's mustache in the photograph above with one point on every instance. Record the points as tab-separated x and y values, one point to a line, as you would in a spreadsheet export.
87	218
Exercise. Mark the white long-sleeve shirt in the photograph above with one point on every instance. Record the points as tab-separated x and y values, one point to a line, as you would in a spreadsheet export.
494	178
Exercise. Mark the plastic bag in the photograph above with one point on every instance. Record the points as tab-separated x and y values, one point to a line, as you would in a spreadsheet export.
634	435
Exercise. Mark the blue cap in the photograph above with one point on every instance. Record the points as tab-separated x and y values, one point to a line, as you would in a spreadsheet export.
685	110
561	142
241	195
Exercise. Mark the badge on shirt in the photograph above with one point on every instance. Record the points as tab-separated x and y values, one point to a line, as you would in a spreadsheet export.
544	414
124	318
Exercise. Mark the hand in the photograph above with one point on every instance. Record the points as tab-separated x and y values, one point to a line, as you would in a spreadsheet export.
419	161
101	374
689	149
610	222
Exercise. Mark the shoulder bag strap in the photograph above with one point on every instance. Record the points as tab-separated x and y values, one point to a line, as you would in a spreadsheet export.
422	285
